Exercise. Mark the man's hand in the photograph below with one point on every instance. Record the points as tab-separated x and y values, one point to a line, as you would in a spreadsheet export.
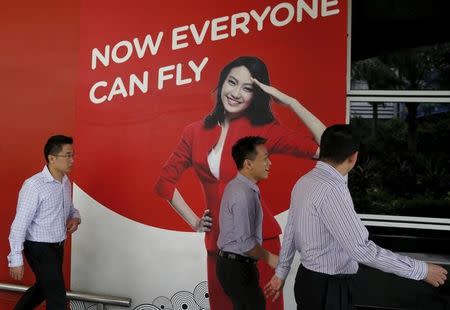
72	224
204	224
274	288
436	275
16	272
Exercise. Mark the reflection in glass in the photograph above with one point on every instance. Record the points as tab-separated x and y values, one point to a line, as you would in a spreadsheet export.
424	68
404	162
400	45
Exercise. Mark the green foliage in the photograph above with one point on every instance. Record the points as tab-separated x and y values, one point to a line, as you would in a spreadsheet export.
389	179
422	68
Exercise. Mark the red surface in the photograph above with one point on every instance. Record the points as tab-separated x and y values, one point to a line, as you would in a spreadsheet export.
124	142
38	61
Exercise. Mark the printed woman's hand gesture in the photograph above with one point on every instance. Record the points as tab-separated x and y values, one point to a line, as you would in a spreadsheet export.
310	120
277	95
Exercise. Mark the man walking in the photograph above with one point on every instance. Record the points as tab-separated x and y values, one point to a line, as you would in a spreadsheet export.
45	214
240	226
324	227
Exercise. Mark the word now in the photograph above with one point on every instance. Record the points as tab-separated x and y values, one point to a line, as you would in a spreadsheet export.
219	28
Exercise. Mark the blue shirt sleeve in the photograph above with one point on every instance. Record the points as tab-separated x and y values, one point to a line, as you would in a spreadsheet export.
244	214
26	208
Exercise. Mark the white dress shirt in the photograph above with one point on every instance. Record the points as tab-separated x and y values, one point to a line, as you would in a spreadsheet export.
43	208
325	228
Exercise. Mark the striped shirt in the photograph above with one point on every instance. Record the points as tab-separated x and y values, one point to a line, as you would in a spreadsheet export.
43	208
324	227
240	218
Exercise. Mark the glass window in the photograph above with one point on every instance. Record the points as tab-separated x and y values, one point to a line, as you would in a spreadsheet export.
400	45
403	166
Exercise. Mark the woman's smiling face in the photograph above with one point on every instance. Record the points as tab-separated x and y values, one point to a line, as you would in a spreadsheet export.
237	91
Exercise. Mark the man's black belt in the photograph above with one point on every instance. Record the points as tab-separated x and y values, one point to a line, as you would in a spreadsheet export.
53	244
236	257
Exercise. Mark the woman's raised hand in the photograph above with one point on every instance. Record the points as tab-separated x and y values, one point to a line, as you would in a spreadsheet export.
315	126
275	93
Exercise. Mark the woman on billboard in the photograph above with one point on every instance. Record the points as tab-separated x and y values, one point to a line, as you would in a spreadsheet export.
242	108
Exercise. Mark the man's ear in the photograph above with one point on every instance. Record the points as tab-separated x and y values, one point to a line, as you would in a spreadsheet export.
247	163
51	158
353	158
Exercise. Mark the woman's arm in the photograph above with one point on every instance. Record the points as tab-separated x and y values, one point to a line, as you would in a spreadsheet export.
315	126
202	224
165	187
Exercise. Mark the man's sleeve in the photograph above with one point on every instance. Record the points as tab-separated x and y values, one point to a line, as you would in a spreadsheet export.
74	213
288	246
342	221
244	213
27	205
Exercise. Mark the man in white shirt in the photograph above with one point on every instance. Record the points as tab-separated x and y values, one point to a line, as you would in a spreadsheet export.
45	214
331	239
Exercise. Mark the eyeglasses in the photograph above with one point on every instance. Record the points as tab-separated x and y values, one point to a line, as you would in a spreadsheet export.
65	155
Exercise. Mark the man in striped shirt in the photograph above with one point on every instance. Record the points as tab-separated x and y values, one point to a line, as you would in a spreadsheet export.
331	239
45	214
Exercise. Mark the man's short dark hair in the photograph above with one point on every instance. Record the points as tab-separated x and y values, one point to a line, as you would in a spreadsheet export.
55	144
337	143
245	148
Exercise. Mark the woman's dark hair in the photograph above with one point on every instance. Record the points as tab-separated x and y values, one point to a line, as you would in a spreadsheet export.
259	112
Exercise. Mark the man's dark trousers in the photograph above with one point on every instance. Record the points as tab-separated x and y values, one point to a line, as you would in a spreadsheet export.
240	281
45	259
319	291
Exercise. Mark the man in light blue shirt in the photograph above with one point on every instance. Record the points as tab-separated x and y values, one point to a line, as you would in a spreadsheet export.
331	239
240	227
45	214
